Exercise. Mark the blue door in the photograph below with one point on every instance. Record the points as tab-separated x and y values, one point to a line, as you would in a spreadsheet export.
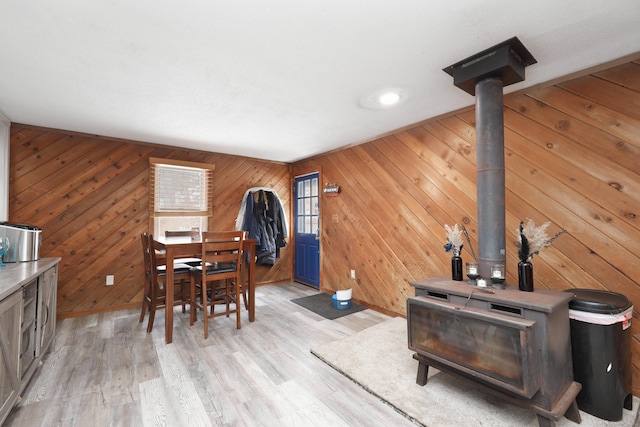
307	225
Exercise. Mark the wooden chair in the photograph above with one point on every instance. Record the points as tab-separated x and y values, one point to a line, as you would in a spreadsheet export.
221	257
154	286
244	275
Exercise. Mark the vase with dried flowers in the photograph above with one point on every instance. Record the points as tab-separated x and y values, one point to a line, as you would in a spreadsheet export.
454	245
531	240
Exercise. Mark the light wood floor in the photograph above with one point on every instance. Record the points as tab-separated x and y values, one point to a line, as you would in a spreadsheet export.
105	370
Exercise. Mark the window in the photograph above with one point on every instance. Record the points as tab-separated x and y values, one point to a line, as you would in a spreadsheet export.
308	211
179	195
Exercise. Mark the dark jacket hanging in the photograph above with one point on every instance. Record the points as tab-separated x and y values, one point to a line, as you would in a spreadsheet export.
264	221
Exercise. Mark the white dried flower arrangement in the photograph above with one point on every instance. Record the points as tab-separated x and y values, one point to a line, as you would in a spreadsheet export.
532	239
454	239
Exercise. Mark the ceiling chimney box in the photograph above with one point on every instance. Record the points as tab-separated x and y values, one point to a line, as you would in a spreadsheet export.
506	60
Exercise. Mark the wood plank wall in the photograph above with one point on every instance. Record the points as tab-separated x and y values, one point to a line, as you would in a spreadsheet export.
572	158
90	197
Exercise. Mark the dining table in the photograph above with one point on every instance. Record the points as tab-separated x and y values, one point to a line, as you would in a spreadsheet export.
183	246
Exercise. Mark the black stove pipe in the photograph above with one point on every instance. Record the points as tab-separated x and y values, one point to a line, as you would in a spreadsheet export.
490	174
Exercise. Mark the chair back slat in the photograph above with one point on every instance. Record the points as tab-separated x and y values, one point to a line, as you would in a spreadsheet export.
177	233
222	246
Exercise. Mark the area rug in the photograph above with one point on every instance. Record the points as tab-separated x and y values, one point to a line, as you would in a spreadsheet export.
379	360
322	304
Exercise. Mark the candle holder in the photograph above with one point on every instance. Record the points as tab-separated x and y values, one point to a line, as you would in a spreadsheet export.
498	275
471	269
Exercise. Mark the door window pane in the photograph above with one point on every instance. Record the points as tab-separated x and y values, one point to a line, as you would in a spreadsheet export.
308	206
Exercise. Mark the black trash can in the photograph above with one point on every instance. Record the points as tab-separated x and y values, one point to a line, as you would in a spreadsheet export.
601	351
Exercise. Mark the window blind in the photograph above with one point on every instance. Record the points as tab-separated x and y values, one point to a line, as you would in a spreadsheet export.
180	188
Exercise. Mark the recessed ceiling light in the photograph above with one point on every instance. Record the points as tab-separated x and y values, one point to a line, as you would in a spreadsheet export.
383	98
389	98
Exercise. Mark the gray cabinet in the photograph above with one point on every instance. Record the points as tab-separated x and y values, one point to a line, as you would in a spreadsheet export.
28	293
47	295
28	340
10	321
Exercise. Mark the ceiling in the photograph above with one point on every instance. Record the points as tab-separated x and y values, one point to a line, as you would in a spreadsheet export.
279	80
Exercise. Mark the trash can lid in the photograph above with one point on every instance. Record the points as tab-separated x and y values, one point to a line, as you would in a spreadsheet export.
597	301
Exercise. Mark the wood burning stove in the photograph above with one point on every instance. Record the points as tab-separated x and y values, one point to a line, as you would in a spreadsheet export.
516	344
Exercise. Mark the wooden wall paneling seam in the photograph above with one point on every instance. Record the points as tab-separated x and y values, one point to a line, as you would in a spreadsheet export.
21	138
259	174
57	185
227	197
619	203
442	190
546	274
544	164
563	216
420	231
374	203
80	214
92	266
355	223
448	203
232	195
27	159
612	96
334	252
624	127
461	137
462	124
89	263
402	269
102	237
582	135
88	193
599	215
38	151
361	216
627	75
48	165
456	143
125	288
57	201
231	170
458	138
457	187
583	261
596	157
121	220
399	239
273	174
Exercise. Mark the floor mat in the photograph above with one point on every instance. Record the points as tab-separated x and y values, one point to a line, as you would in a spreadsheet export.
322	304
